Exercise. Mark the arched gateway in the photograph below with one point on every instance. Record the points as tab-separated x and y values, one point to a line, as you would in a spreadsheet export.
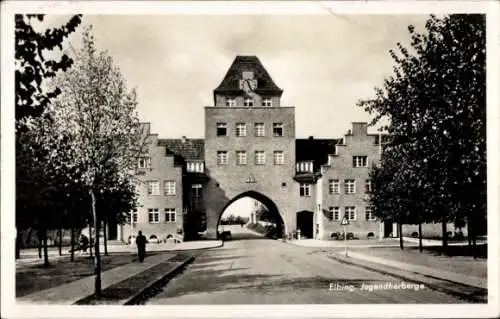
250	149
264	200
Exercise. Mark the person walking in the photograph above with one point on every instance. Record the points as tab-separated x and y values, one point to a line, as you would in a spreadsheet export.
141	246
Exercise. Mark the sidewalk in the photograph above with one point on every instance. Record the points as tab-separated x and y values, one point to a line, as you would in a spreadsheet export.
30	256
419	269
72	292
351	243
458	274
364	243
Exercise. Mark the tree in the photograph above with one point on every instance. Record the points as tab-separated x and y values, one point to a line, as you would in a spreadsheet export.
32	68
436	106
37	187
45	193
115	203
97	114
263	214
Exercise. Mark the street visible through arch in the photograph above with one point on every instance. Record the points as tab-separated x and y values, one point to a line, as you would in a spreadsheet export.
250	215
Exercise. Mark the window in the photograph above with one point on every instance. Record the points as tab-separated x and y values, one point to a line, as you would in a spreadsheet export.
260	129
369	213
170	215
333	186
267	102
277	129
169	188
153	188
305	189
350	212
241	158
248	102
133	216
196	190
334	213
368	186
221	157
230	102
260	157
153	216
279	158
359	161
144	162
350	186
241	129
221	129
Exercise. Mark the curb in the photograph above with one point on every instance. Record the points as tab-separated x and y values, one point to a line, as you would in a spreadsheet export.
160	281
203	248
479	296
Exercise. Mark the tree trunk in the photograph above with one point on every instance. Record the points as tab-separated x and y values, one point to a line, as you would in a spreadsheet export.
39	234
28	237
420	236
45	249
445	235
90	237
400	231
72	258
469	232
105	224
18	243
97	258
474	246
60	240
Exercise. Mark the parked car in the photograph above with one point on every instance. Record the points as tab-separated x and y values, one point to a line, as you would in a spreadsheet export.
225	235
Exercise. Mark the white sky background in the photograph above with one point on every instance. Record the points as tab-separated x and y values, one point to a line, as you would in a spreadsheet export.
241	207
324	63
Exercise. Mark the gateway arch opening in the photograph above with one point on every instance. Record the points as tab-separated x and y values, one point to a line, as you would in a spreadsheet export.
250	215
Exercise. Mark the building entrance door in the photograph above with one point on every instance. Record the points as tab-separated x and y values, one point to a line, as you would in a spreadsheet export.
305	223
388	228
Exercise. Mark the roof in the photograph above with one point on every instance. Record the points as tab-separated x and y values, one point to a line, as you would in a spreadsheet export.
184	149
315	150
231	82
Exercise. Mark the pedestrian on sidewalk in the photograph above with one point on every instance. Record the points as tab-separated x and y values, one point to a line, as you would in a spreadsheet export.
83	244
141	242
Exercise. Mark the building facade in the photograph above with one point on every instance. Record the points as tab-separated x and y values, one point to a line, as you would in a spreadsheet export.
250	150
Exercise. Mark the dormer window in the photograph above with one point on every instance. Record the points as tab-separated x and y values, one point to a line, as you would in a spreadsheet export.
230	102
248	102
267	102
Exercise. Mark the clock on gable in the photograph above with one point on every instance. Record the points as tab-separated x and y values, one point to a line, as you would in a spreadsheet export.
248	83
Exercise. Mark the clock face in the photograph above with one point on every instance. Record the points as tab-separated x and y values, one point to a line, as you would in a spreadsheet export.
248	85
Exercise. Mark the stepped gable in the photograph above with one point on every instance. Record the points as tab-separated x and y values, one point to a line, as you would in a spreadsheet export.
231	82
316	150
184	149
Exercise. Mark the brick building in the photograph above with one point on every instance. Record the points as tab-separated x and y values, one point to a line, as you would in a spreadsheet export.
250	150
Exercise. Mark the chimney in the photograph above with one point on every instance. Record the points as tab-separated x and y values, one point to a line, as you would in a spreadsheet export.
359	128
311	137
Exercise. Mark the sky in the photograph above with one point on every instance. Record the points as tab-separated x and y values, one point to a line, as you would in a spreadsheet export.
241	207
324	63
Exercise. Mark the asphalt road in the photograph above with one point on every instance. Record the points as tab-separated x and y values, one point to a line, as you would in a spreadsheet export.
253	270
